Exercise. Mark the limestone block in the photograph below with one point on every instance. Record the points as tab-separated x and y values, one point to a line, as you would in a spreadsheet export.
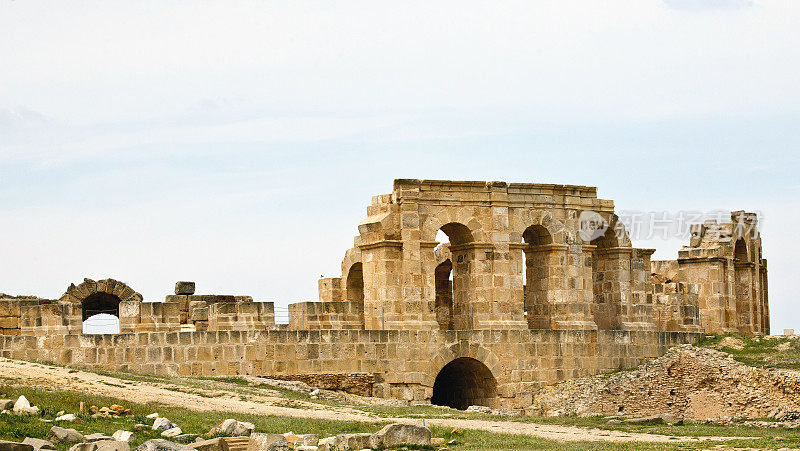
184	287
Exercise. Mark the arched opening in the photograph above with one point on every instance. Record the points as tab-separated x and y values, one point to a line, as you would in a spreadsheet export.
607	282
464	382
100	314
355	283
740	251
443	277
537	270
457	275
354	287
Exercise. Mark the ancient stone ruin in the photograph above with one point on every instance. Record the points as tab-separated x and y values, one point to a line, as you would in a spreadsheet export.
525	291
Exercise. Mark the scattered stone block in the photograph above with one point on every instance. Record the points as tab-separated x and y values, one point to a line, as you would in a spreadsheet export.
184	288
124	436
39	444
63	435
172	432
14	446
66	417
215	444
400	434
267	442
233	428
96	437
353	441
160	444
328	443
6	404
112	445
162	424
24	407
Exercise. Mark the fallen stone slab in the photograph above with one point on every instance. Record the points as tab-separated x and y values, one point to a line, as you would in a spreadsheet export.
85	446
215	444
400	434
172	432
96	437
112	445
650	419
124	436
353	441
233	428
162	424
63	435
6	404
160	444
328	443
14	446
267	442
66	417
39	444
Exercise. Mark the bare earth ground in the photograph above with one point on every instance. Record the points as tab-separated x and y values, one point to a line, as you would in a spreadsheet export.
42	376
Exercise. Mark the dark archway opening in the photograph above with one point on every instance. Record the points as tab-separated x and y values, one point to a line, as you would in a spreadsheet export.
443	277
457	274
537	266
464	382
100	313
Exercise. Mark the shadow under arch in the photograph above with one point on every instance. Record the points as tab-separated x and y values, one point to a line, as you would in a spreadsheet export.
464	382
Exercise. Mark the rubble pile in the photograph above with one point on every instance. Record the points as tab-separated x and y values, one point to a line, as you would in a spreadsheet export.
690	383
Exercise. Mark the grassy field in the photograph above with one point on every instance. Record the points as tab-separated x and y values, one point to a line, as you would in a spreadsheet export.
16	428
773	352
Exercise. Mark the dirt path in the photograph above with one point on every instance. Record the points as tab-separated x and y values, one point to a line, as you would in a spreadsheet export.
41	376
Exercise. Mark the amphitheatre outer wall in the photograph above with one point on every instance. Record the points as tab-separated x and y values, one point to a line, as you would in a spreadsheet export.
514	300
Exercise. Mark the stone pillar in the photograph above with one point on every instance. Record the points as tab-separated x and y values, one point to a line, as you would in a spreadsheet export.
556	297
743	284
640	310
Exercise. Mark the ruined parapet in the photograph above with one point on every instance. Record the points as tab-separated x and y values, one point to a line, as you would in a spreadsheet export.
725	262
330	289
326	315
236	313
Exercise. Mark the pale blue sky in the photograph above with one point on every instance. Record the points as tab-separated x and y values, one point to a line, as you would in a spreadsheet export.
237	144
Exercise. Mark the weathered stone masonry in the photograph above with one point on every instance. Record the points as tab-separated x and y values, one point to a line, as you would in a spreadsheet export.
515	299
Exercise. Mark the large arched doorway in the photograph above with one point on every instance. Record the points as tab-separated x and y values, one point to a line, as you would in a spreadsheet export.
464	382
537	268
100	314
458	274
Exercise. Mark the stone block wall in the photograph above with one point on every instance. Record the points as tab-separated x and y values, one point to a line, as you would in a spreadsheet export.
326	315
404	363
354	383
9	317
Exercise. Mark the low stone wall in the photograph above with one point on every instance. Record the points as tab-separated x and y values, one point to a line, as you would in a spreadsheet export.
326	315
355	383
405	363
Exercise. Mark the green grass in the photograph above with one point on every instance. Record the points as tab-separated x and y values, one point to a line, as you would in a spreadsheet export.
16	428
760	352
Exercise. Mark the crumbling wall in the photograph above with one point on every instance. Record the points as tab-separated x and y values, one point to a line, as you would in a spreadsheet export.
354	383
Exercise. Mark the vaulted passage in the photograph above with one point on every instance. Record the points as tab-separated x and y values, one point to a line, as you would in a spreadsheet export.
100	314
464	382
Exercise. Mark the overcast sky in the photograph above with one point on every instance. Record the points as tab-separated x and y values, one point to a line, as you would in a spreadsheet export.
237	144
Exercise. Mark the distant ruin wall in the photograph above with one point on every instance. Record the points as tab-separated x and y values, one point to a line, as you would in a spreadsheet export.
405	362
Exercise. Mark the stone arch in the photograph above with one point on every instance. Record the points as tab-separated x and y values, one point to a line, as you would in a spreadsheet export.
523	219
78	294
459	350
452	215
351	257
464	382
741	253
100	299
354	284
